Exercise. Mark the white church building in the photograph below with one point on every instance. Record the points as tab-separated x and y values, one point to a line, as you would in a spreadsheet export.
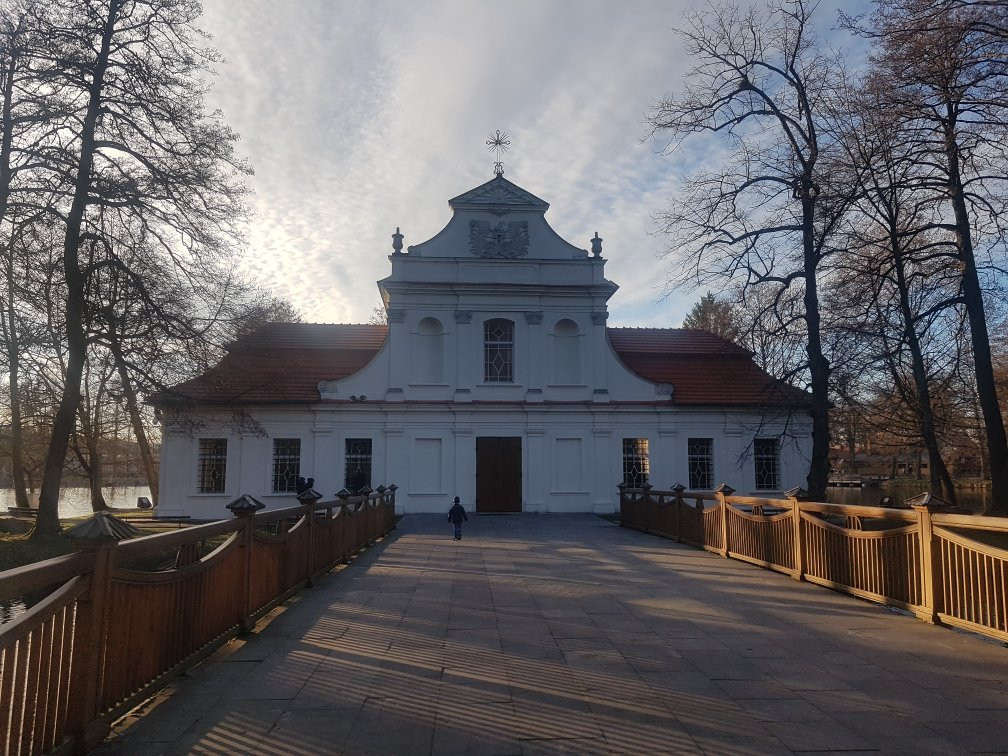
498	379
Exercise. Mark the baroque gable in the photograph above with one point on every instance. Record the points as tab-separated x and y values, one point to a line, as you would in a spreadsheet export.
498	196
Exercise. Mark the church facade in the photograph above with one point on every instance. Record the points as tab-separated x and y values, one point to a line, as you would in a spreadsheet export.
497	379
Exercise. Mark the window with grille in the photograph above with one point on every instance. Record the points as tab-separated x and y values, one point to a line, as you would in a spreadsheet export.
700	459
635	462
286	464
212	465
358	464
498	351
766	454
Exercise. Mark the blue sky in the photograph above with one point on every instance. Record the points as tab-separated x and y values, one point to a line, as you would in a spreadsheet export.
362	116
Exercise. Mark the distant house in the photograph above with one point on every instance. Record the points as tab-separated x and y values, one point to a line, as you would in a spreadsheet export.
497	379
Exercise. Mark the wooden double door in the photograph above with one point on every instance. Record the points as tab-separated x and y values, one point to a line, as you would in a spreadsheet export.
498	474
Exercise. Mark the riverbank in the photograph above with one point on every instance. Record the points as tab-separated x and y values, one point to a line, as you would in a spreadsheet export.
18	549
75	501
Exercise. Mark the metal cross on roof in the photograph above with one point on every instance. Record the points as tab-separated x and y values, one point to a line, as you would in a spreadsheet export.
498	143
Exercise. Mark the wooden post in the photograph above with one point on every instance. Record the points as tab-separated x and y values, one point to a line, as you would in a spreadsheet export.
90	632
390	513
930	613
723	492
309	497
345	514
648	506
795	495
678	488
245	507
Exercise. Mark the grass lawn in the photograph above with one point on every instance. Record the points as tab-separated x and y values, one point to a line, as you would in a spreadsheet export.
17	550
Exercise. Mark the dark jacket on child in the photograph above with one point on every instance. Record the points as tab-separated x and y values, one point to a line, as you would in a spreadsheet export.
457	514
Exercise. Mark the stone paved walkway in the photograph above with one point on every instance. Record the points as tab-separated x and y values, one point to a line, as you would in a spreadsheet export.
566	634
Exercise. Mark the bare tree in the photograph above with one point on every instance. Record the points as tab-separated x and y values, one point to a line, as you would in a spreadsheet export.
948	61
895	280
762	84
145	155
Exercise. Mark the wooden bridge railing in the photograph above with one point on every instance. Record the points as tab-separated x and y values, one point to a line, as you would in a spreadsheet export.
933	564
115	626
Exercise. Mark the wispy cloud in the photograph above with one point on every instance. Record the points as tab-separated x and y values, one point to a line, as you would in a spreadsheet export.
360	117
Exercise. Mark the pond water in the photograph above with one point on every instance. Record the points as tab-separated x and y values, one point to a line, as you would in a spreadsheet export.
76	502
972	498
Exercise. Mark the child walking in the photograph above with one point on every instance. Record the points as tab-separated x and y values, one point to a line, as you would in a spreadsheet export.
456	515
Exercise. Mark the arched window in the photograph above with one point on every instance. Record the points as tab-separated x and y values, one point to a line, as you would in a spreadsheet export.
498	351
566	352
428	351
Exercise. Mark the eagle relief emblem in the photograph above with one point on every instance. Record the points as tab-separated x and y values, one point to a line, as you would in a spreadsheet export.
501	239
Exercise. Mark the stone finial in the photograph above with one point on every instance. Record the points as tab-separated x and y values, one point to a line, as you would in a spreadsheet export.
245	505
796	493
343	494
364	491
393	487
596	244
679	488
397	242
725	489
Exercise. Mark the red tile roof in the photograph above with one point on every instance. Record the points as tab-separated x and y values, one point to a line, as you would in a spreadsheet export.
284	362
703	369
281	362
679	341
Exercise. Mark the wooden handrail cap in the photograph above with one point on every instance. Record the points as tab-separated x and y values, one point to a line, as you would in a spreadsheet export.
926	500
245	505
101	527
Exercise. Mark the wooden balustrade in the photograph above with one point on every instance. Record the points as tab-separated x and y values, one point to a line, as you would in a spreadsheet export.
917	559
111	632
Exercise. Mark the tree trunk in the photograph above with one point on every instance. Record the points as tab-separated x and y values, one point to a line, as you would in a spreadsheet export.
819	368
92	462
95	475
940	481
133	409
14	371
10	322
47	520
994	430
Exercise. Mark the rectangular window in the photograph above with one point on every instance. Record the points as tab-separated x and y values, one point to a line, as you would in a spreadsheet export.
498	351
358	464
700	453
212	465
635	462
766	454
286	464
